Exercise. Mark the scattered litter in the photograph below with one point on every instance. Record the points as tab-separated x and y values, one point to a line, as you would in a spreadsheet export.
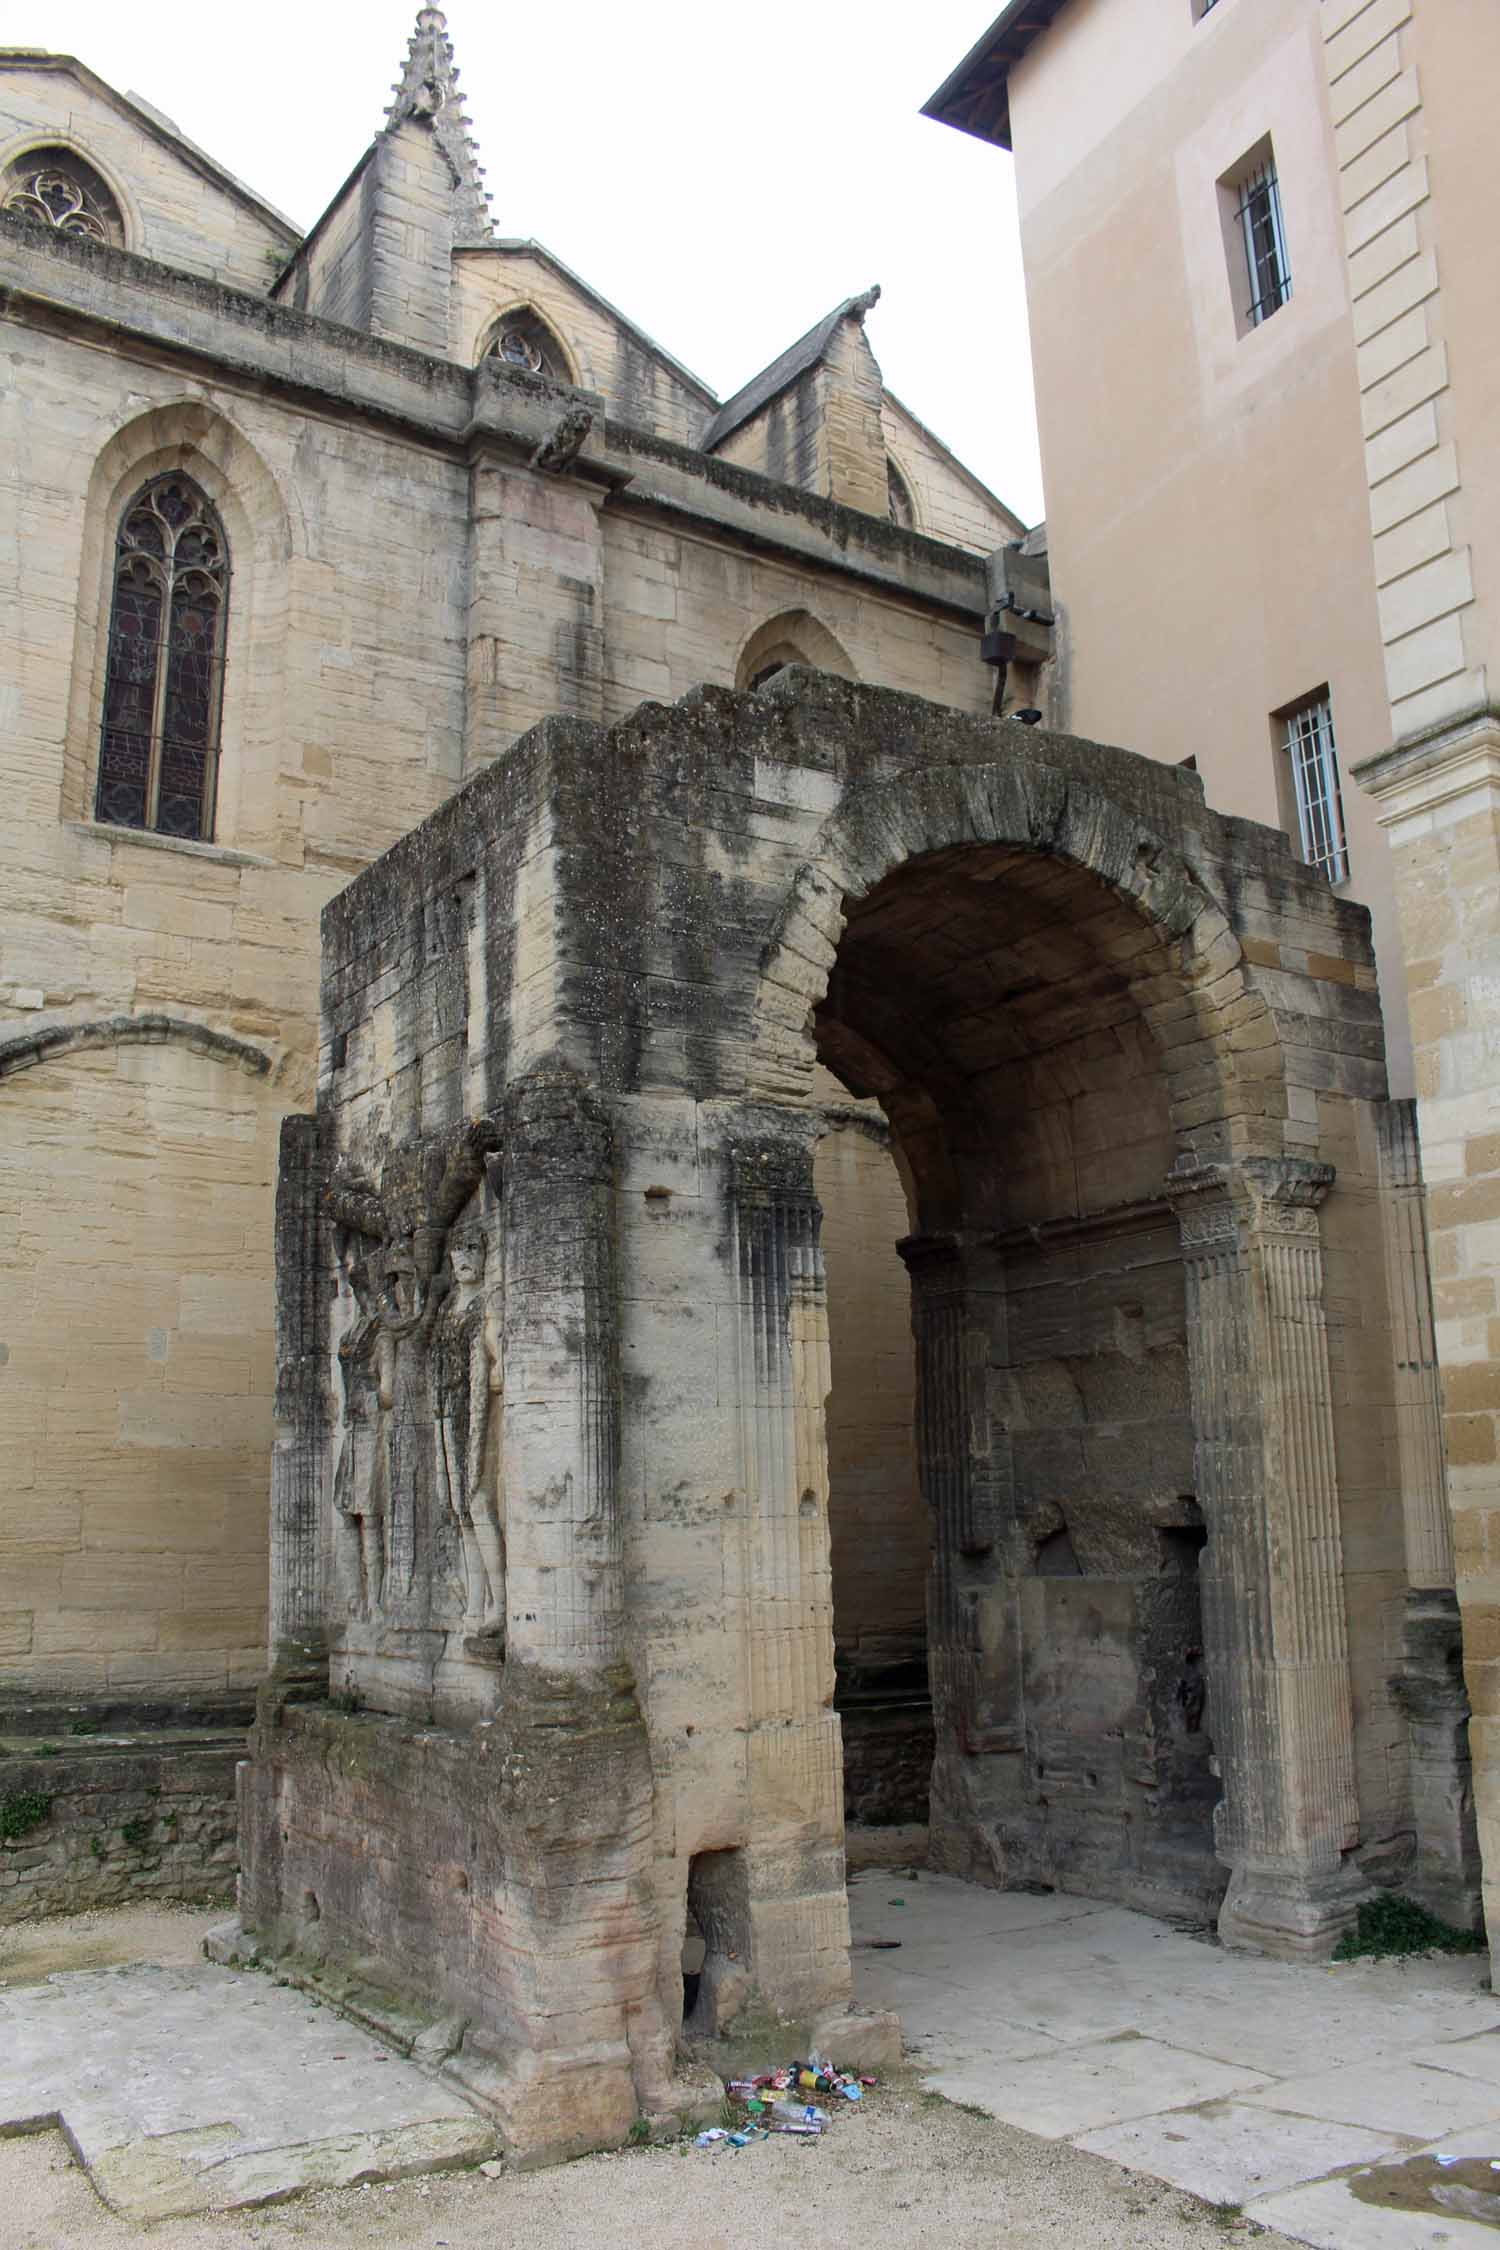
895	1902
1448	2160
781	2101
494	2169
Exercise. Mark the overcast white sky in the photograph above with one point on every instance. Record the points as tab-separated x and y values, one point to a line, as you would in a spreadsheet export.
725	175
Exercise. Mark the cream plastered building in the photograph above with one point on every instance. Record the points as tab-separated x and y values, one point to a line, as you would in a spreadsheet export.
1273	490
299	533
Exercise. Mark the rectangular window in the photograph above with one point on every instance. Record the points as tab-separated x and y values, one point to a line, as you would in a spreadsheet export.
1257	212
1314	759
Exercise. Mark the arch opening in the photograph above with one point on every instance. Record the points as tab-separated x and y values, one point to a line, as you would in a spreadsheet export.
992	1000
524	340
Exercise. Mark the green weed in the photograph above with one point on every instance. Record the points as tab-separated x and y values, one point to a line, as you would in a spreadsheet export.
1390	1927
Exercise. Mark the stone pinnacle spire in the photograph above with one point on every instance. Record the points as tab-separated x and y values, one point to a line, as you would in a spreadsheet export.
428	87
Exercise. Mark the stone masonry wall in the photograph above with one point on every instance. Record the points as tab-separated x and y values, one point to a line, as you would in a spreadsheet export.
93	1813
363	672
173	210
879	1534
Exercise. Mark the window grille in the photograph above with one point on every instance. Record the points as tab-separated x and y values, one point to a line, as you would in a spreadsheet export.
1258	211
1315	779
158	754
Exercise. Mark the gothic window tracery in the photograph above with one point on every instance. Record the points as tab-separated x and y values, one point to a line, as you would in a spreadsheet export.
63	192
524	340
158	753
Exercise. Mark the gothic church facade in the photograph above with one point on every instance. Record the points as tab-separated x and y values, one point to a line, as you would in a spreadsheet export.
302	533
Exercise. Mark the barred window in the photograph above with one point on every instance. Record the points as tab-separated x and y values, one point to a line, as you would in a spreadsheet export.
159	750
1314	757
1263	235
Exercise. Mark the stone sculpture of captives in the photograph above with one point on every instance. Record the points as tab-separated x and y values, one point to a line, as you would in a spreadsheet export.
361	1478
467	1383
374	1322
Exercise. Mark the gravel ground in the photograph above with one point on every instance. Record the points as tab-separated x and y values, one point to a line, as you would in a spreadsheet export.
907	2169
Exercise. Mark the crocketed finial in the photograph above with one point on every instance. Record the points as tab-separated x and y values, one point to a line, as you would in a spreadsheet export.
428	88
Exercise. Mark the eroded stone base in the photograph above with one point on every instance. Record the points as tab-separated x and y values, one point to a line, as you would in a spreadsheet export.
1288	1913
480	1898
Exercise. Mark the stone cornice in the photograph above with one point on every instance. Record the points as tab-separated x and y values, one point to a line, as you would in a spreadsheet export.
245	343
1459	759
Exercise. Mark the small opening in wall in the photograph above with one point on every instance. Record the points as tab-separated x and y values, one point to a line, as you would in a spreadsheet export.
1055	1556
718	1921
311	1911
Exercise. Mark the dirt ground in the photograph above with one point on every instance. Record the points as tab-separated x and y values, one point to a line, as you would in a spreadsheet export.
908	2169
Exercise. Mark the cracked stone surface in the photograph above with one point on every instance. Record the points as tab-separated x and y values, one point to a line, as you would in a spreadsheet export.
1293	2090
193	2088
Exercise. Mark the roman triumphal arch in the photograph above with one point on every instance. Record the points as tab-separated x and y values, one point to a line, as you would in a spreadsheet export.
553	1611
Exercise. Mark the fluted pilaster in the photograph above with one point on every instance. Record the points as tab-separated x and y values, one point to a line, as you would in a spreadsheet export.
1281	1709
564	1563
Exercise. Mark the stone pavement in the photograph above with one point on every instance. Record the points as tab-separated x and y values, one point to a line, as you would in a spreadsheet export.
186	2089
1316	2098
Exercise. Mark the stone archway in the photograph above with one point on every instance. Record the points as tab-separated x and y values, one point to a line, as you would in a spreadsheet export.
1096	931
620	953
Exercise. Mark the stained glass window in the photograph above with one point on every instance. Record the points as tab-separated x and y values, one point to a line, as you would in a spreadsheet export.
524	340
56	187
158	755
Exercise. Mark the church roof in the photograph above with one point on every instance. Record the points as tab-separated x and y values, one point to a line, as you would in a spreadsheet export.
976	97
428	87
151	121
808	351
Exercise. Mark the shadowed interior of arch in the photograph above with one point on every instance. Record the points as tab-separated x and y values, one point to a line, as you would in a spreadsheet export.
990	999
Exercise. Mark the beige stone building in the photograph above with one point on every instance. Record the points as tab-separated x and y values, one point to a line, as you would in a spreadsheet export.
390	544
1263	286
300	533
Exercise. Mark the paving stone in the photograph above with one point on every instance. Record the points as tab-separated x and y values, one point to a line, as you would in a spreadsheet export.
194	2089
1229	2152
1329	2215
1074	2092
1388	2098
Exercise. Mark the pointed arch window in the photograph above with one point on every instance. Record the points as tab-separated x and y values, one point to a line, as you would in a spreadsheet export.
163	687
524	340
898	494
57	188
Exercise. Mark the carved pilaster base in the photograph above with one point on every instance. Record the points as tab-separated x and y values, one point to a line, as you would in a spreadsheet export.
1445	1876
1288	1911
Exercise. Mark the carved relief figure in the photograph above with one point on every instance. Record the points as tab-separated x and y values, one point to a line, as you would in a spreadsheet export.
405	1317
468	1379
361	1477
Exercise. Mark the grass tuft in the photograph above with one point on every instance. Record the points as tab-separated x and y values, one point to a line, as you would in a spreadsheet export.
1391	1927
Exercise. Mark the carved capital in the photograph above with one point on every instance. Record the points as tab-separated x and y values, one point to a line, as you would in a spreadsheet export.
1219	1203
934	1261
772	1168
